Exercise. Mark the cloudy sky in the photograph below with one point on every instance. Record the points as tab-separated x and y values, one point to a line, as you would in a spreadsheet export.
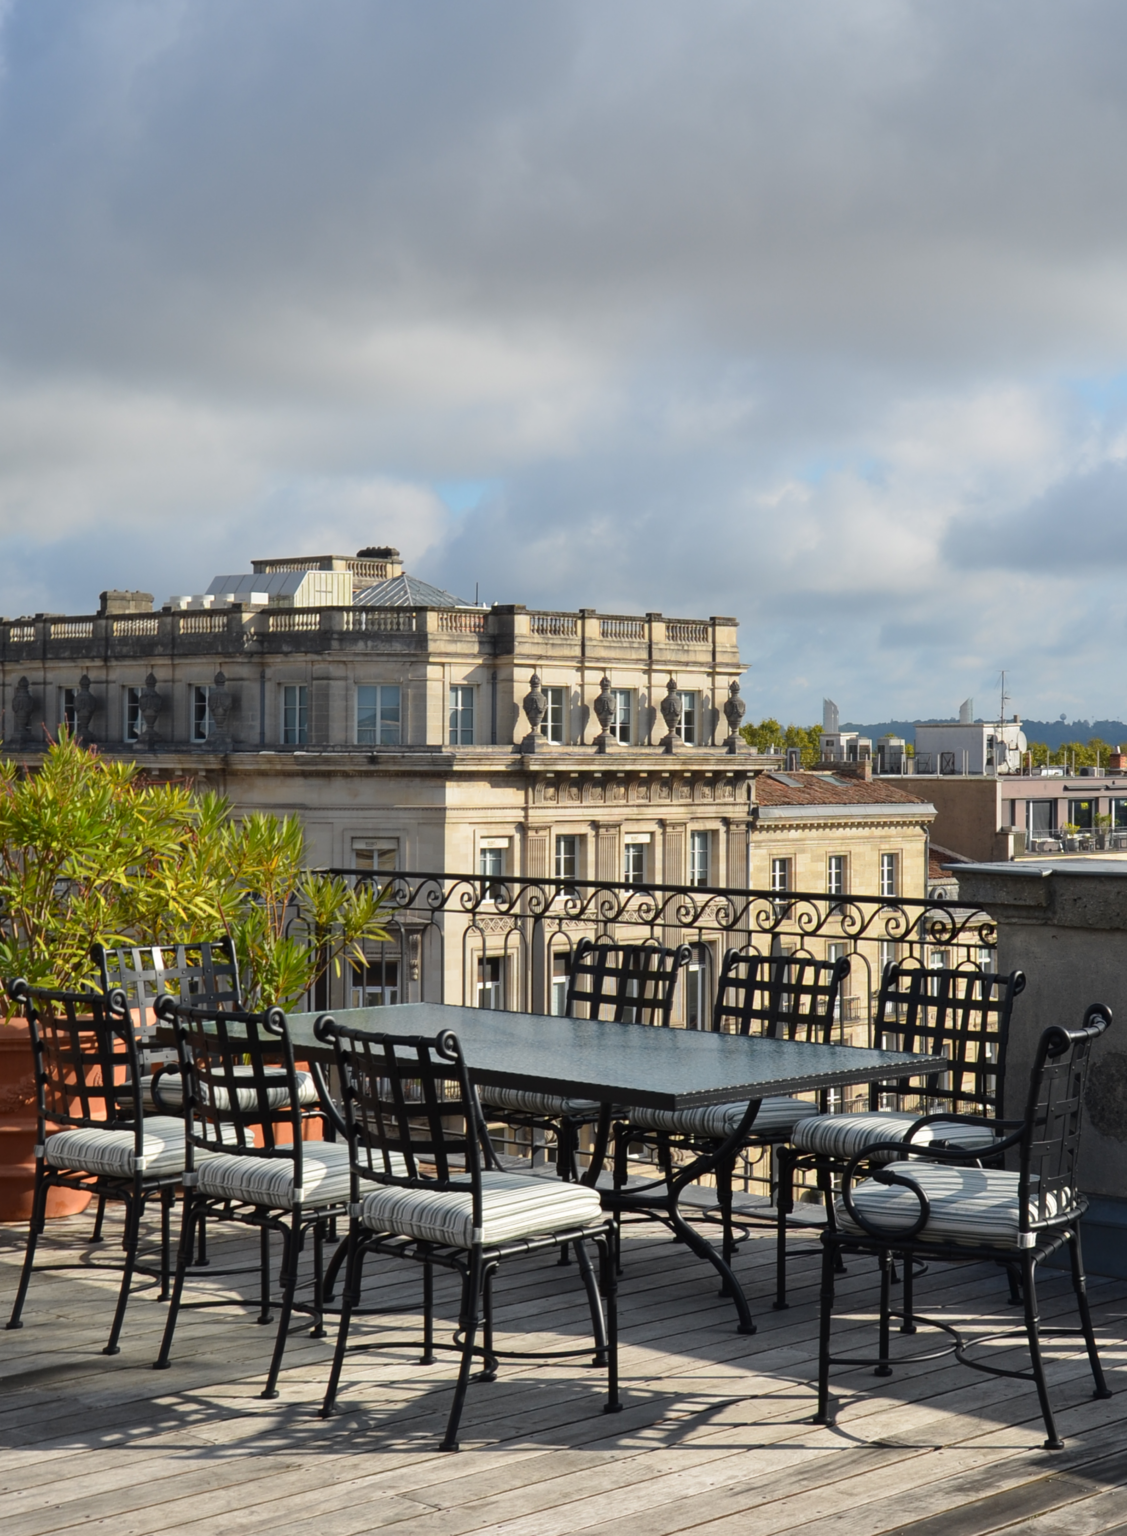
815	314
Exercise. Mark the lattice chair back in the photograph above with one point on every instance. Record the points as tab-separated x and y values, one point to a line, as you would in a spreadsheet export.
203	973
86	1072
783	997
1050	1142
963	1015
239	1080
410	1097
626	983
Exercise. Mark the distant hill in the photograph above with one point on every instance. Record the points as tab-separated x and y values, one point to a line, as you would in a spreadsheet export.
1054	733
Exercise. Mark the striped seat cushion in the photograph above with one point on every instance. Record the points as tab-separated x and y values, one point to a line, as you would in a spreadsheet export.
92	1150
846	1136
513	1206
968	1205
268	1181
776	1117
536	1103
171	1089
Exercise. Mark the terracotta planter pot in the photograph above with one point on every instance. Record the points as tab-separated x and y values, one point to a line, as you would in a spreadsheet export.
17	1133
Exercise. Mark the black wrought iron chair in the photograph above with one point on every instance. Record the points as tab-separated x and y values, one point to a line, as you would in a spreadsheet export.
426	1187
93	1132
240	1091
937	1203
779	997
623	983
961	1014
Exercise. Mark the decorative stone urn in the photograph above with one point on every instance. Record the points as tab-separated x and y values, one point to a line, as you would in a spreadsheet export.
535	707
220	707
734	708
18	1127
671	713
604	714
150	705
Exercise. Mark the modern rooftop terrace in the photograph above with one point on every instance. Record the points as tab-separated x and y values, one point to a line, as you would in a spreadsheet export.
715	1437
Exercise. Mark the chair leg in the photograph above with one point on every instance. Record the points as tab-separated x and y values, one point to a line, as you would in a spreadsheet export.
565	1169
724	1173
35	1227
99	1218
598	1325
884	1368
264	1315
608	1274
784	1205
183	1258
135	1208
291	1248
1080	1286
428	1313
350	1300
823	1415
202	1260
907	1324
488	1371
339	1258
318	1329
471	1315
166	1198
1013	1275
1053	1441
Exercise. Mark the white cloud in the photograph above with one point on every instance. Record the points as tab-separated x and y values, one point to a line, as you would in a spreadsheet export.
798	313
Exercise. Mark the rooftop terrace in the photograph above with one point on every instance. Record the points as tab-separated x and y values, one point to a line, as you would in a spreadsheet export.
715	1437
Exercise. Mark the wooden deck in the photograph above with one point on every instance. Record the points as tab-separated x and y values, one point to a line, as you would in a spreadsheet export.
716	1435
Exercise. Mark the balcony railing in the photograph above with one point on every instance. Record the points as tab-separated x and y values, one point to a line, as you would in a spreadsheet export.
496	941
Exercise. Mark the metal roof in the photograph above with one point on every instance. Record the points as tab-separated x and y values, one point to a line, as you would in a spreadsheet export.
406	592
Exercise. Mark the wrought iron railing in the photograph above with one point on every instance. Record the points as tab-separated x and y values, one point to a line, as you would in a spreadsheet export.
506	942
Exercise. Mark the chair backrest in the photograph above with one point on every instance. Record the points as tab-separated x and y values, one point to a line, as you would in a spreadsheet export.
963	1015
239	1078
784	997
204	972
410	1095
1050	1140
86	1069
628	983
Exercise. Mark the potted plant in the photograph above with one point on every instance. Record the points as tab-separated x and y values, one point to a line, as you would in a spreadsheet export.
1103	831
91	850
1071	837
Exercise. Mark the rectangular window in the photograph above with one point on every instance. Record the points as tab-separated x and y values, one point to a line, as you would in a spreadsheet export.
886	954
553	725
621	722
1041	817
134	725
699	860
835	874
561	971
379	856
634	864
295	714
375	983
491	864
461	716
490	982
835	952
377	715
697	992
66	708
690	719
1119	814
567	858
888	881
1081	814
201	717
780	874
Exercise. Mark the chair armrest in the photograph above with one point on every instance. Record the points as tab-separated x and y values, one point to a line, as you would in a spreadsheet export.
154	1089
333	1117
981	1121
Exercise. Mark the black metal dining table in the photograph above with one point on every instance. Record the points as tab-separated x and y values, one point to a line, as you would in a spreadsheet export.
640	1065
